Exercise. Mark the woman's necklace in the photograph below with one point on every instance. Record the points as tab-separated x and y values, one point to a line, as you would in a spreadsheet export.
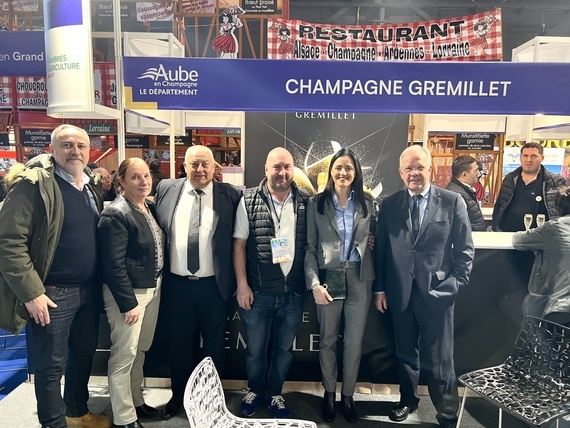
143	208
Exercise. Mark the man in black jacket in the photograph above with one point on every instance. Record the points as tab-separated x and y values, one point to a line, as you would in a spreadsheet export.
529	189
465	173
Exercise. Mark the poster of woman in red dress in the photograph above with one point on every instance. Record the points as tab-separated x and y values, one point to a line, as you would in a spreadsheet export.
226	43
286	49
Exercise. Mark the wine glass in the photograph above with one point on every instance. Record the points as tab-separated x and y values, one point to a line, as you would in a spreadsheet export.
527	221
540	219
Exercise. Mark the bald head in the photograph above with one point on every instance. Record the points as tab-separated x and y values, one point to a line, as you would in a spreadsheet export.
279	170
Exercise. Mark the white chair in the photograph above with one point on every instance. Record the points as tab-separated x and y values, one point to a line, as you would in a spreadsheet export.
205	404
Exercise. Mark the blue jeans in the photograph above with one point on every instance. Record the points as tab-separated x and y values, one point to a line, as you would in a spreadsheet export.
274	319
67	344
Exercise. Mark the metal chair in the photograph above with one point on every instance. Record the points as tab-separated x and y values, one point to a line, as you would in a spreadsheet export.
205	404
533	384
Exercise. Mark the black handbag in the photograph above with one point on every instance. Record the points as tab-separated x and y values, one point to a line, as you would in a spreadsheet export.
334	281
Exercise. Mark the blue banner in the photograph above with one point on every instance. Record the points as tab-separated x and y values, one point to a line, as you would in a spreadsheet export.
22	53
388	87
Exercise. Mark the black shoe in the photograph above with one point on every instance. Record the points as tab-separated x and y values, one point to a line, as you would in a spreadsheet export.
401	411
172	408
135	424
328	406
146	412
349	409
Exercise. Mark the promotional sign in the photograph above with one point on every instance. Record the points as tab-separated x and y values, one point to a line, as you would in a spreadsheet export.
137	141
104	10
267	7
394	87
464	38
69	70
22	53
31	92
35	137
179	140
314	137
475	142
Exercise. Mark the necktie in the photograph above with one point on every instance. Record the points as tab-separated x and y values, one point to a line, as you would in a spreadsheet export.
193	258
416	215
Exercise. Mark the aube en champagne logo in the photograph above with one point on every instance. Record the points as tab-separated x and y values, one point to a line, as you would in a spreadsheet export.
178	77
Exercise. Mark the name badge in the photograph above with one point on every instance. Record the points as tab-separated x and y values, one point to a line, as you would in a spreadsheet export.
280	250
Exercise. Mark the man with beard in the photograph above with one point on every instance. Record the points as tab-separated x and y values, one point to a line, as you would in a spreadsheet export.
269	252
49	273
529	189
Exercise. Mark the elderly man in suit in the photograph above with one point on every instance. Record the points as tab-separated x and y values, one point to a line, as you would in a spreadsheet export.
423	255
197	214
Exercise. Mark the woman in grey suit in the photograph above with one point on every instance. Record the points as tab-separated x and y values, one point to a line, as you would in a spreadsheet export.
338	228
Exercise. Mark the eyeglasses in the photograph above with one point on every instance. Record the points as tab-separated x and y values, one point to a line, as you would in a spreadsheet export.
418	169
196	165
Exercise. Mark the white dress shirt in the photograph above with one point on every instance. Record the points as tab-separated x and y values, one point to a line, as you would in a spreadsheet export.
179	232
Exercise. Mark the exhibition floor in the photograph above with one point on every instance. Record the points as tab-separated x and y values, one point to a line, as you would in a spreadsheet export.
17	410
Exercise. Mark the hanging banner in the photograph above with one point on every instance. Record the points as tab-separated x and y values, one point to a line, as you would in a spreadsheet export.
154	11
22	53
464	38
20	5
6	95
198	6
69	69
390	87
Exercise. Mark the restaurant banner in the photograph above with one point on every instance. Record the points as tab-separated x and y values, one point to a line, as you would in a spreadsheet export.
389	87
464	38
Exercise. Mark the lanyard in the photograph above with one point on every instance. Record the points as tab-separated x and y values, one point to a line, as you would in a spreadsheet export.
278	216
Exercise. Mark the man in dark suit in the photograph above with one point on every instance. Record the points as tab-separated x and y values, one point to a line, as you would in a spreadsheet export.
198	216
423	255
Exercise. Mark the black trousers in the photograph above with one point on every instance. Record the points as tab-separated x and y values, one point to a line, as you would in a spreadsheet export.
421	331
196	309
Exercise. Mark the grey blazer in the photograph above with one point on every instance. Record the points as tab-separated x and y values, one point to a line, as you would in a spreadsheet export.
323	242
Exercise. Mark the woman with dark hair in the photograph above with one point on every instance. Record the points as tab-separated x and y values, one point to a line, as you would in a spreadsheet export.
339	272
549	285
132	257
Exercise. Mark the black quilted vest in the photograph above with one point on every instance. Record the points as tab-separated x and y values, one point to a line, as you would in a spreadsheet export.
262	274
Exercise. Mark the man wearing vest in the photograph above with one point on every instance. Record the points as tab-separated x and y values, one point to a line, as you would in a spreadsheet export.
48	269
269	252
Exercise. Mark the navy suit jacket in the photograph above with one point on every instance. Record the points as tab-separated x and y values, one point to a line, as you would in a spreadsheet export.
439	259
226	200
